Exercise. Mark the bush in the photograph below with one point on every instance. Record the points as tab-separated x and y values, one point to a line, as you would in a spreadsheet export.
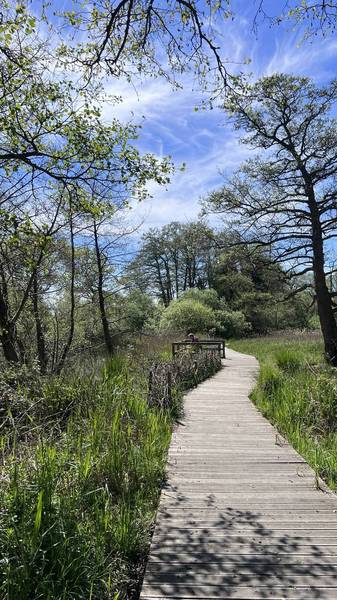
207	297
139	311
232	324
188	315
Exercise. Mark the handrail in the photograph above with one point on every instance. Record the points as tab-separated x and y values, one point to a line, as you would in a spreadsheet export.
218	344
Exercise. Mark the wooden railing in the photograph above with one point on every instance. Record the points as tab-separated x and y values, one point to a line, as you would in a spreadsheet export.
187	369
217	345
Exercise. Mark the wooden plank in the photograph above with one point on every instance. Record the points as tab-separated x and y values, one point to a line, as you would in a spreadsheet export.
289	565
240	516
257	578
239	593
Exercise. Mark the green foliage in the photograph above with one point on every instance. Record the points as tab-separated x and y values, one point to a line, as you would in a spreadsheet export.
297	392
208	297
188	315
232	324
176	258
288	359
82	476
139	311
202	311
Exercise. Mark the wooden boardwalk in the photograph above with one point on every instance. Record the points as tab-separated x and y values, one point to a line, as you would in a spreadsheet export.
240	517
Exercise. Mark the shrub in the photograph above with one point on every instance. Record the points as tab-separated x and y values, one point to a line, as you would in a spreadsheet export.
232	324
139	311
188	315
207	297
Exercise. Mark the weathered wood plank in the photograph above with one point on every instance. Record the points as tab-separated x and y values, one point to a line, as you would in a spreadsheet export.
240	516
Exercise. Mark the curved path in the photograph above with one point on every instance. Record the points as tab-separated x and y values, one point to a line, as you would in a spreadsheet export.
240	516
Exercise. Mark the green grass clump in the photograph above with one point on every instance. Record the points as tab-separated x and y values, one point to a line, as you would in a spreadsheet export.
77	507
270	378
83	462
297	392
288	359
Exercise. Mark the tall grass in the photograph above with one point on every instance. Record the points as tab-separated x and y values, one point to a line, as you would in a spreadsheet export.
297	391
83	461
77	507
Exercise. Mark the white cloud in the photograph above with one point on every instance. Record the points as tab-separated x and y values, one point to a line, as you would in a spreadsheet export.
180	201
304	59
203	139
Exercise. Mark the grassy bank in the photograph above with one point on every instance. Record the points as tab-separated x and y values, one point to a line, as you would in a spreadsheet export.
297	392
83	461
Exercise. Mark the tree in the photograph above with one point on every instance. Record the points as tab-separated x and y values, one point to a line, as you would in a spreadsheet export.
23	245
286	201
134	38
139	311
106	233
317	16
51	128
56	155
173	259
249	281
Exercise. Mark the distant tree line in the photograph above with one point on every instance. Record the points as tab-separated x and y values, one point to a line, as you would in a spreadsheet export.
180	265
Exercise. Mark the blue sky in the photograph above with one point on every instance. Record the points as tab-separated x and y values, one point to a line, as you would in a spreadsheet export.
204	140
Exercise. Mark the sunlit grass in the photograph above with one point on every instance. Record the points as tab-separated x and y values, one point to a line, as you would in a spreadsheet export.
297	391
81	478
77	509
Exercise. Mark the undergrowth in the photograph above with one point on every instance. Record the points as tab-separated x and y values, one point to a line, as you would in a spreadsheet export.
297	391
83	461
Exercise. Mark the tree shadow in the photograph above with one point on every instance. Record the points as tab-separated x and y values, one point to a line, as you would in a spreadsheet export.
214	552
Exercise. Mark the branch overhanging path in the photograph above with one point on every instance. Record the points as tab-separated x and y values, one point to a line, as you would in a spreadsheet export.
240	516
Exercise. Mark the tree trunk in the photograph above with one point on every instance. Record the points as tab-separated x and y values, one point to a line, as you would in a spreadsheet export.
7	335
161	284
323	296
56	343
69	341
40	341
8	345
101	300
324	305
169	290
176	273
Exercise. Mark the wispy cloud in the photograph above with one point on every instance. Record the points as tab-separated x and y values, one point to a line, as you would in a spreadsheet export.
311	60
203	139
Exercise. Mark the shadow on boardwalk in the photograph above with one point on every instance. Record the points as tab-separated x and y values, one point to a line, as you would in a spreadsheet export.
237	521
236	552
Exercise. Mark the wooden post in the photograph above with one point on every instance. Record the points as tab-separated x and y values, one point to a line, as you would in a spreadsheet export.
149	395
169	389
